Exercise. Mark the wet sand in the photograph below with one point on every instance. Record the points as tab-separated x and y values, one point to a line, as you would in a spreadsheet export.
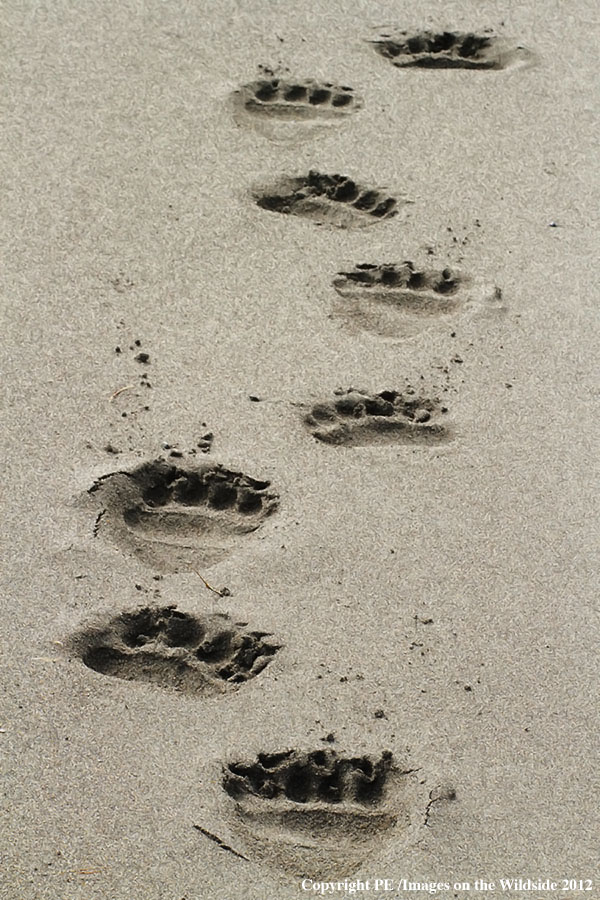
431	598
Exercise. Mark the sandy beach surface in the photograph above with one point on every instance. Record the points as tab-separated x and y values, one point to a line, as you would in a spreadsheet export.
407	612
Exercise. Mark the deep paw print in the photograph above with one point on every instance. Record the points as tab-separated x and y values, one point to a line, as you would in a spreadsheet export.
334	200
316	813
175	650
450	50
176	518
401	300
302	99
354	418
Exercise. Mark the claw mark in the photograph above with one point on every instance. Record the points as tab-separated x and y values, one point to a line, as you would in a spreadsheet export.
219	842
100	481
97	522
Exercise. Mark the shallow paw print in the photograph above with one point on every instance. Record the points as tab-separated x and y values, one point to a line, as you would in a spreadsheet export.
335	200
420	291
451	50
402	300
355	418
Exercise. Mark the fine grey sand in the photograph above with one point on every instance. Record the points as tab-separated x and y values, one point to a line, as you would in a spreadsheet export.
429	606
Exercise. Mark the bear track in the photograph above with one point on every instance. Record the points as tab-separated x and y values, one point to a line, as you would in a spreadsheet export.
450	50
317	814
334	200
178	517
355	418
174	650
302	99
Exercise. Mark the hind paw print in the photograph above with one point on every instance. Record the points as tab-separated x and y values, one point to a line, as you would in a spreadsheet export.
175	650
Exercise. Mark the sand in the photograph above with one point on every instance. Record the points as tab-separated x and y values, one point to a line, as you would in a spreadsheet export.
433	599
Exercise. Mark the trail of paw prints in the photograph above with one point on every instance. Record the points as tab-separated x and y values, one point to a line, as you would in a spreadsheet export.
400	300
318	813
334	200
176	517
354	418
451	50
174	650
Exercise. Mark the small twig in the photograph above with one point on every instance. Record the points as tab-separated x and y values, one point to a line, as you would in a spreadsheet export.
447	793
217	840
222	593
81	871
114	396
